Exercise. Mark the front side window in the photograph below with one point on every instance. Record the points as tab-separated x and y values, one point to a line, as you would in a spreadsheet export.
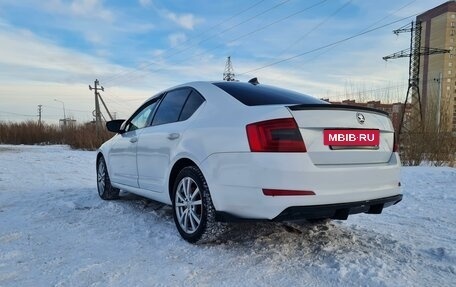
171	107
142	117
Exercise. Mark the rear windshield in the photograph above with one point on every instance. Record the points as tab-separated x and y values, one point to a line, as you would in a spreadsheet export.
257	95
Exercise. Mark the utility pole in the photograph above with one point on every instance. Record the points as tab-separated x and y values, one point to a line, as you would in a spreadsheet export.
228	74
97	115
39	114
414	54
97	112
64	114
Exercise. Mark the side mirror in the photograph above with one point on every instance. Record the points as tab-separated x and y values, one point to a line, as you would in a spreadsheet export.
115	126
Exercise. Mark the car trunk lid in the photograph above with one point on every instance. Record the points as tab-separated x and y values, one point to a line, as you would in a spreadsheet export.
341	124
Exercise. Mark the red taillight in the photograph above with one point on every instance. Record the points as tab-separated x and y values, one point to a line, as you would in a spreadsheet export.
284	192
279	135
395	144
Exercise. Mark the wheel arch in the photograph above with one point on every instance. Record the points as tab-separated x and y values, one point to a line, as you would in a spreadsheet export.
177	167
99	154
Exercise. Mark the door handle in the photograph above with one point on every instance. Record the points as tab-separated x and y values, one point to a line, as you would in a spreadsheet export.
133	140
173	136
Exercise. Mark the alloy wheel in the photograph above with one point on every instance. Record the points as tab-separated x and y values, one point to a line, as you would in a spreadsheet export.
101	177
188	205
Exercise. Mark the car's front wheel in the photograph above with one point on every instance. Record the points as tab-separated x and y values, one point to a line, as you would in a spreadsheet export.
105	190
194	213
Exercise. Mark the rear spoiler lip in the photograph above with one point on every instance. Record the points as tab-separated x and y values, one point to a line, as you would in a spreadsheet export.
300	107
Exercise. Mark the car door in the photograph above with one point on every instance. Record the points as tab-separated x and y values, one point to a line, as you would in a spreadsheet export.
122	156
158	142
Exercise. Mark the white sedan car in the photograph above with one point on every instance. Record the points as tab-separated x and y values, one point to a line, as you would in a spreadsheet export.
231	151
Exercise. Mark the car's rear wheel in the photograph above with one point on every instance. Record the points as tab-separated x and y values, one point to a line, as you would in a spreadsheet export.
194	213
105	190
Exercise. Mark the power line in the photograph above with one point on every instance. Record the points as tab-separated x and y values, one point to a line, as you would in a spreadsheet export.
372	90
114	100
331	45
232	17
250	19
320	48
327	45
387	16
205	39
317	26
304	53
270	24
73	110
119	107
367	28
430	79
108	79
17	114
246	34
414	54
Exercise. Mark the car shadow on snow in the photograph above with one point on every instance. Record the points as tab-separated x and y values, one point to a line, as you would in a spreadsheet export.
343	247
336	245
307	237
143	204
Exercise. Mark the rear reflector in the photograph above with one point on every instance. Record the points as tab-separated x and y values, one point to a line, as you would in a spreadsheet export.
279	135
283	192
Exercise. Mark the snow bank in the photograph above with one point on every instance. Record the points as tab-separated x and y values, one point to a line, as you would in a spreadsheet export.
55	231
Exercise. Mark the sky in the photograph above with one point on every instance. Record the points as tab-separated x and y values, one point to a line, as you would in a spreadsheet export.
51	51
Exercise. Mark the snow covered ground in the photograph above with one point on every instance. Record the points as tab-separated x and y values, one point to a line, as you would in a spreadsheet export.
55	231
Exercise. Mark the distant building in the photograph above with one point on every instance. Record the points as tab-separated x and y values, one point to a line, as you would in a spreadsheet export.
394	110
67	122
439	99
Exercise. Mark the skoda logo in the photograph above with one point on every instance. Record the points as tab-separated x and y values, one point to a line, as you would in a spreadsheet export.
360	118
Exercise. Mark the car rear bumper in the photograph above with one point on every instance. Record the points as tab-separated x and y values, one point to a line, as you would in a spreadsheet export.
334	211
237	180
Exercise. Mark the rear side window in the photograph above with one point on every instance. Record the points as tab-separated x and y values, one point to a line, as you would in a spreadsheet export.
171	106
191	105
258	95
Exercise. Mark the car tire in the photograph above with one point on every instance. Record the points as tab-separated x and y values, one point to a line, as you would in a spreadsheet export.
193	210
105	190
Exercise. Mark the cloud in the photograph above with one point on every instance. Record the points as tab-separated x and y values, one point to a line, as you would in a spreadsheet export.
89	9
42	69
176	39
157	52
92	9
40	53
136	28
145	3
187	21
93	37
99	26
